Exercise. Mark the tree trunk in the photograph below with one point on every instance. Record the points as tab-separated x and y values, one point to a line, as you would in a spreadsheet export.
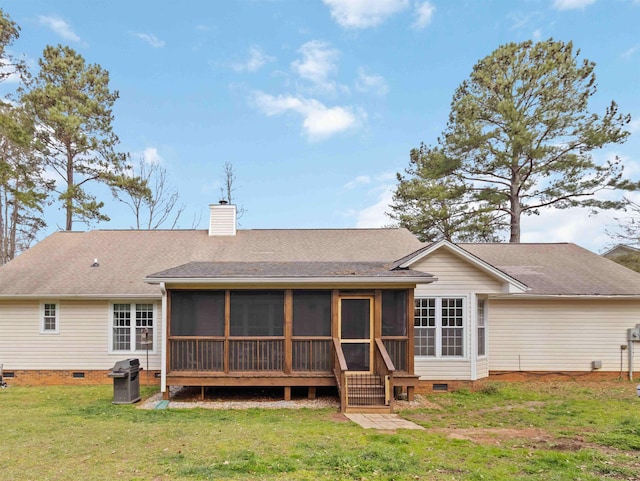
515	213
70	194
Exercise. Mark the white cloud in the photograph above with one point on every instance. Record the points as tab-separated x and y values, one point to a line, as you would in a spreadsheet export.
360	180
424	14
319	121
364	13
374	215
60	27
371	83
379	189
571	4
318	62
576	225
630	52
536	35
8	72
634	126
150	156
257	59
151	39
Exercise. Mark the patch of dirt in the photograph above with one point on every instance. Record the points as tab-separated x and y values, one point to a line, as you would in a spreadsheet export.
495	435
530	405
534	438
339	418
419	402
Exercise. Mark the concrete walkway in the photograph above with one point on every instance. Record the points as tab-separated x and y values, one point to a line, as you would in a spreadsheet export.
382	421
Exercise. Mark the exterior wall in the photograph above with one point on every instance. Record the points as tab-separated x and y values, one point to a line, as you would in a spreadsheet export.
482	367
435	369
454	275
456	278
82	343
560	335
56	378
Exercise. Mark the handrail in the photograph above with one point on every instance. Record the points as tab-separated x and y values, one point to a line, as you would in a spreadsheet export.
340	371
342	362
384	368
385	355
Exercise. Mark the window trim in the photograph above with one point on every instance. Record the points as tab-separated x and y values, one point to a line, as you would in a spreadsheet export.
132	309
438	329
484	327
43	330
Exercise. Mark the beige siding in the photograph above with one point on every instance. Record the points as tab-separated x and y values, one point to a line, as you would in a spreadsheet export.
482	367
560	335
442	369
82	342
454	275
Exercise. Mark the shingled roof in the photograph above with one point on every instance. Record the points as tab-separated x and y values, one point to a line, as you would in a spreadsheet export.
60	265
559	269
279	270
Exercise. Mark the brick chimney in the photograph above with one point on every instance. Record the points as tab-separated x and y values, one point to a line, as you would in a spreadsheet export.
222	219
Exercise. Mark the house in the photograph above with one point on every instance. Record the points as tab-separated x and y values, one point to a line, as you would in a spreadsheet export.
371	311
620	250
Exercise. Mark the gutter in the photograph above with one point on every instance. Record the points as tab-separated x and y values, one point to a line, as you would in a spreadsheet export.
566	296
290	280
63	297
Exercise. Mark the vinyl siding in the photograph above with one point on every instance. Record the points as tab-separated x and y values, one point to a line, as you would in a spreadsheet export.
454	275
560	335
456	278
82	342
442	369
482	367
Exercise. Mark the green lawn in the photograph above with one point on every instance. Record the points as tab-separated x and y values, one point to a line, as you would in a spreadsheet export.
541	431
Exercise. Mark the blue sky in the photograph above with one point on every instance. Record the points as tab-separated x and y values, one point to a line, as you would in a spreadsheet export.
317	103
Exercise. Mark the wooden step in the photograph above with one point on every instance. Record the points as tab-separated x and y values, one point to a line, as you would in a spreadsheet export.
368	409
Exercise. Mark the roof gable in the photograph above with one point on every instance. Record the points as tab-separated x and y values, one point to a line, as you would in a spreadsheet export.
510	284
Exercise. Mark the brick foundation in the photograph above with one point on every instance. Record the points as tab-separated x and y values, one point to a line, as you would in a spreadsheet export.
67	378
517	376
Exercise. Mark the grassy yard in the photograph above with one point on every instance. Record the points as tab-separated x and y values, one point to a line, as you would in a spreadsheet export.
541	431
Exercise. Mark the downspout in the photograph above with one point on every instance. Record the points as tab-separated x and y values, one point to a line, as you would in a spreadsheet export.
630	351
163	358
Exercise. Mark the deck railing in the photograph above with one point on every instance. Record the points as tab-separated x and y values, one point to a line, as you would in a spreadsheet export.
199	354
256	355
248	354
311	355
397	350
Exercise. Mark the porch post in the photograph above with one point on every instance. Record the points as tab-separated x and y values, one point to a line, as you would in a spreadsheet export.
288	330
164	343
411	342
410	330
377	314
227	329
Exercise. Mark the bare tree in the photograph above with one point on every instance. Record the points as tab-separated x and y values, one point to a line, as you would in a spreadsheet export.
628	225
229	187
159	205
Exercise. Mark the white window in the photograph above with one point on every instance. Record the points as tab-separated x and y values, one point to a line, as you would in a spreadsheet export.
482	329
132	327
49	318
439	326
